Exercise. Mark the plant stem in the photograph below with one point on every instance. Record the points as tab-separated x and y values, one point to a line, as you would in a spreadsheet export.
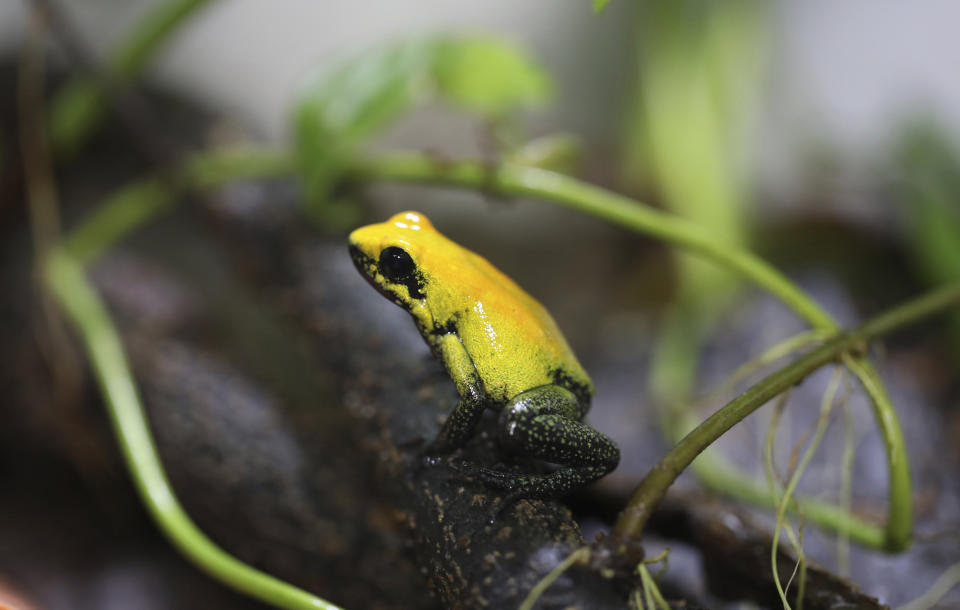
139	202
651	490
579	555
940	587
79	106
508	179
67	283
150	33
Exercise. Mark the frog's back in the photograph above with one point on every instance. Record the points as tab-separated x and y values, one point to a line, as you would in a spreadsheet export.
513	340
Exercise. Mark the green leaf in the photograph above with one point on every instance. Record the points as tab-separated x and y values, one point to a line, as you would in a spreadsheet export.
78	108
338	112
74	113
930	187
599	5
489	76
930	191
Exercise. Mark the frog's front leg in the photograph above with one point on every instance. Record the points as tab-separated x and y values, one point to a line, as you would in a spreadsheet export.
544	423
465	416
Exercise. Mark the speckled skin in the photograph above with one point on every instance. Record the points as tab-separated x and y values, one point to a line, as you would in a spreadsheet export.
501	348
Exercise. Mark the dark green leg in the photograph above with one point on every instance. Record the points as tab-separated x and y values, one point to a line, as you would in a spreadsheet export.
458	428
463	420
545	423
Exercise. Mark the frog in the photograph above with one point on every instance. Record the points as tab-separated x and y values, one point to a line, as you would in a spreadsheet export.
501	348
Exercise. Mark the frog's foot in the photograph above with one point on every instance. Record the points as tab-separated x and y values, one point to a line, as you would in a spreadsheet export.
537	485
497	479
466	468
544	423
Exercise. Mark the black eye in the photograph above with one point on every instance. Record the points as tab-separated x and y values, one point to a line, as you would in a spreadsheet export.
396	264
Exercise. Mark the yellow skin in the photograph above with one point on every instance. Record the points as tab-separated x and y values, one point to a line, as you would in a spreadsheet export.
501	348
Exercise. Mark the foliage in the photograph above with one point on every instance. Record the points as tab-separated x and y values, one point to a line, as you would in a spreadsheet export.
929	187
80	105
696	69
337	112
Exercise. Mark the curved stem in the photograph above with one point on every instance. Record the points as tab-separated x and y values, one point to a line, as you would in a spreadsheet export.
579	555
654	486
66	281
79	106
508	179
149	34
940	587
139	202
899	526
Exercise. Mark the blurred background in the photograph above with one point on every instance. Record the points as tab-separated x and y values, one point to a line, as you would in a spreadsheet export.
839	78
822	135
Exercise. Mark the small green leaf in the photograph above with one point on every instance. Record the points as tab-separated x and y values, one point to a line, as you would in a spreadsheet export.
336	113
489	76
599	5
929	187
77	108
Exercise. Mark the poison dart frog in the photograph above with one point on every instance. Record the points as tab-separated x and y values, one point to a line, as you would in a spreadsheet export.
500	347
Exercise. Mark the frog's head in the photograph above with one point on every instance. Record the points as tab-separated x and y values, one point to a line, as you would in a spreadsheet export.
390	256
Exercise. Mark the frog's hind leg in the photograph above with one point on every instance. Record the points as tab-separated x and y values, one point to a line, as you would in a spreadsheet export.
544	423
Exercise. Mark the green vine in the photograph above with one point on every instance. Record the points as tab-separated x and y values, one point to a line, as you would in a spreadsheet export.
654	486
68	284
514	180
143	200
79	107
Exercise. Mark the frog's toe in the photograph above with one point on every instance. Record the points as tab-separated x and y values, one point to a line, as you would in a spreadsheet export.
464	467
499	479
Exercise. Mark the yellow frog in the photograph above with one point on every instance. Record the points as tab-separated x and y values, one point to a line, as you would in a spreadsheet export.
501	348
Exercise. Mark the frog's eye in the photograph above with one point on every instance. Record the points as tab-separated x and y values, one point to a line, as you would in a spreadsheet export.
395	264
